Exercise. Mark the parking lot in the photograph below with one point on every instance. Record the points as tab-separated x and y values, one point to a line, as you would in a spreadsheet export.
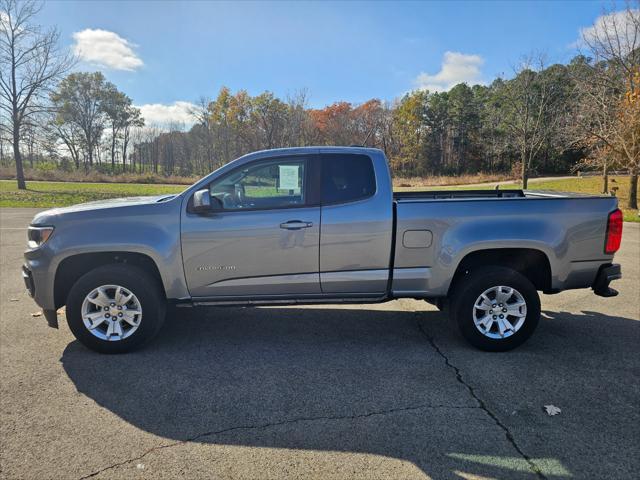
371	391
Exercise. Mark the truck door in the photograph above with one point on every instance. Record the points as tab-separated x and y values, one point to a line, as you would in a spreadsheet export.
263	239
357	224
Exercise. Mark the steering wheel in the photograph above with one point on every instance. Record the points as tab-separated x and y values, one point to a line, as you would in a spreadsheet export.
227	200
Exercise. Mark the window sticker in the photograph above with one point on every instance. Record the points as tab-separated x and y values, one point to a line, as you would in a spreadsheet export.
289	177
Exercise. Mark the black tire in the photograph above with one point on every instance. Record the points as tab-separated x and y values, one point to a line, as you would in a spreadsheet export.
469	288
145	287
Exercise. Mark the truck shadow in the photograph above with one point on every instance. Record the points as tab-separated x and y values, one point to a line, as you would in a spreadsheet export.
343	380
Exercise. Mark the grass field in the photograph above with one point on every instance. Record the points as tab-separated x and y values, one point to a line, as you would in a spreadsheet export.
56	194
593	185
59	194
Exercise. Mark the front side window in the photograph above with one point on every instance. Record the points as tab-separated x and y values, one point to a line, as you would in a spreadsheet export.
272	184
346	178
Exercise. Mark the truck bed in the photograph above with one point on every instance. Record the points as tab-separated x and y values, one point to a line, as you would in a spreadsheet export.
437	194
436	230
494	193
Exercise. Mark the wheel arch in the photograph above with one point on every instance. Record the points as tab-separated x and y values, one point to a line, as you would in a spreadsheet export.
71	268
530	262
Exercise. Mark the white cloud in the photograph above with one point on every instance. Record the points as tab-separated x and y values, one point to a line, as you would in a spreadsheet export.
4	20
622	26
162	114
106	49
456	68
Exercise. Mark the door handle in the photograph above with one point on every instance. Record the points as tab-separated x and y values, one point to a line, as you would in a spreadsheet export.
295	225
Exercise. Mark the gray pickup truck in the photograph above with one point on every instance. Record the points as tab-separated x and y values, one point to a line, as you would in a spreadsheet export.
318	225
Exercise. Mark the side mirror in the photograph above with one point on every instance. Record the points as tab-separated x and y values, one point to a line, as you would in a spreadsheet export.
203	202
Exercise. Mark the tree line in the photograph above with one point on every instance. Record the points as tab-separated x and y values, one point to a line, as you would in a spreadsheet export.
541	119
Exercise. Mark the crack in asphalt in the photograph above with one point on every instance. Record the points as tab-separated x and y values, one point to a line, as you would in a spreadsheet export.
482	405
458	373
273	424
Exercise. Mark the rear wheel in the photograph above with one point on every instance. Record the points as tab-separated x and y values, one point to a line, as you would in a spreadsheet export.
496	308
115	308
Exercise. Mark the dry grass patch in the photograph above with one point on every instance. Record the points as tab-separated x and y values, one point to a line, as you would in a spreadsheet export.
80	176
443	180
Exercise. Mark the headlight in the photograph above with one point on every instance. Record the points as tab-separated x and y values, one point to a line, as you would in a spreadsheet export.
38	235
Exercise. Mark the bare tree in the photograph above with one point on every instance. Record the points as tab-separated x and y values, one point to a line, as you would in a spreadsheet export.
70	135
132	119
596	109
4	139
30	62
297	122
200	112
608	86
530	118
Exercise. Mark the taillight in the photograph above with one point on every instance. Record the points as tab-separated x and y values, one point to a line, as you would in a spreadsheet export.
614	232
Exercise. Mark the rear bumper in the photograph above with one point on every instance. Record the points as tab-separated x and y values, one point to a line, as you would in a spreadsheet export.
606	274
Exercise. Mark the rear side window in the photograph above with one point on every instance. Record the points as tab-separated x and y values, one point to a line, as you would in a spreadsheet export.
346	178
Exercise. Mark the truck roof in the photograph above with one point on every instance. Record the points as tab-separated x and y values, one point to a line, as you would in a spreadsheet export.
312	149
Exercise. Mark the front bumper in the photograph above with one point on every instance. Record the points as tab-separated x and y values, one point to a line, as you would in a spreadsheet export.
606	274
27	276
38	273
50	314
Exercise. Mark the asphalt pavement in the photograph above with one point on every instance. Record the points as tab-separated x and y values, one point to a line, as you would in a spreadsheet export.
364	391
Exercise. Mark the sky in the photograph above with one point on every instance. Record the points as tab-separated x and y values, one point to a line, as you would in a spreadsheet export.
165	55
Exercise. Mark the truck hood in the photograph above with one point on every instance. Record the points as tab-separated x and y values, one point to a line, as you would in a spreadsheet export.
47	216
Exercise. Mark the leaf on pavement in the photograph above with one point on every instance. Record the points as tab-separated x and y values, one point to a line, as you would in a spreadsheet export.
36	314
552	410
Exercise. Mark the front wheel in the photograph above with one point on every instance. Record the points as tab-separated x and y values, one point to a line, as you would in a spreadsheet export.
115	308
496	308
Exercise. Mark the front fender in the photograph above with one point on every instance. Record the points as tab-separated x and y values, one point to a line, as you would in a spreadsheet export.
152	230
